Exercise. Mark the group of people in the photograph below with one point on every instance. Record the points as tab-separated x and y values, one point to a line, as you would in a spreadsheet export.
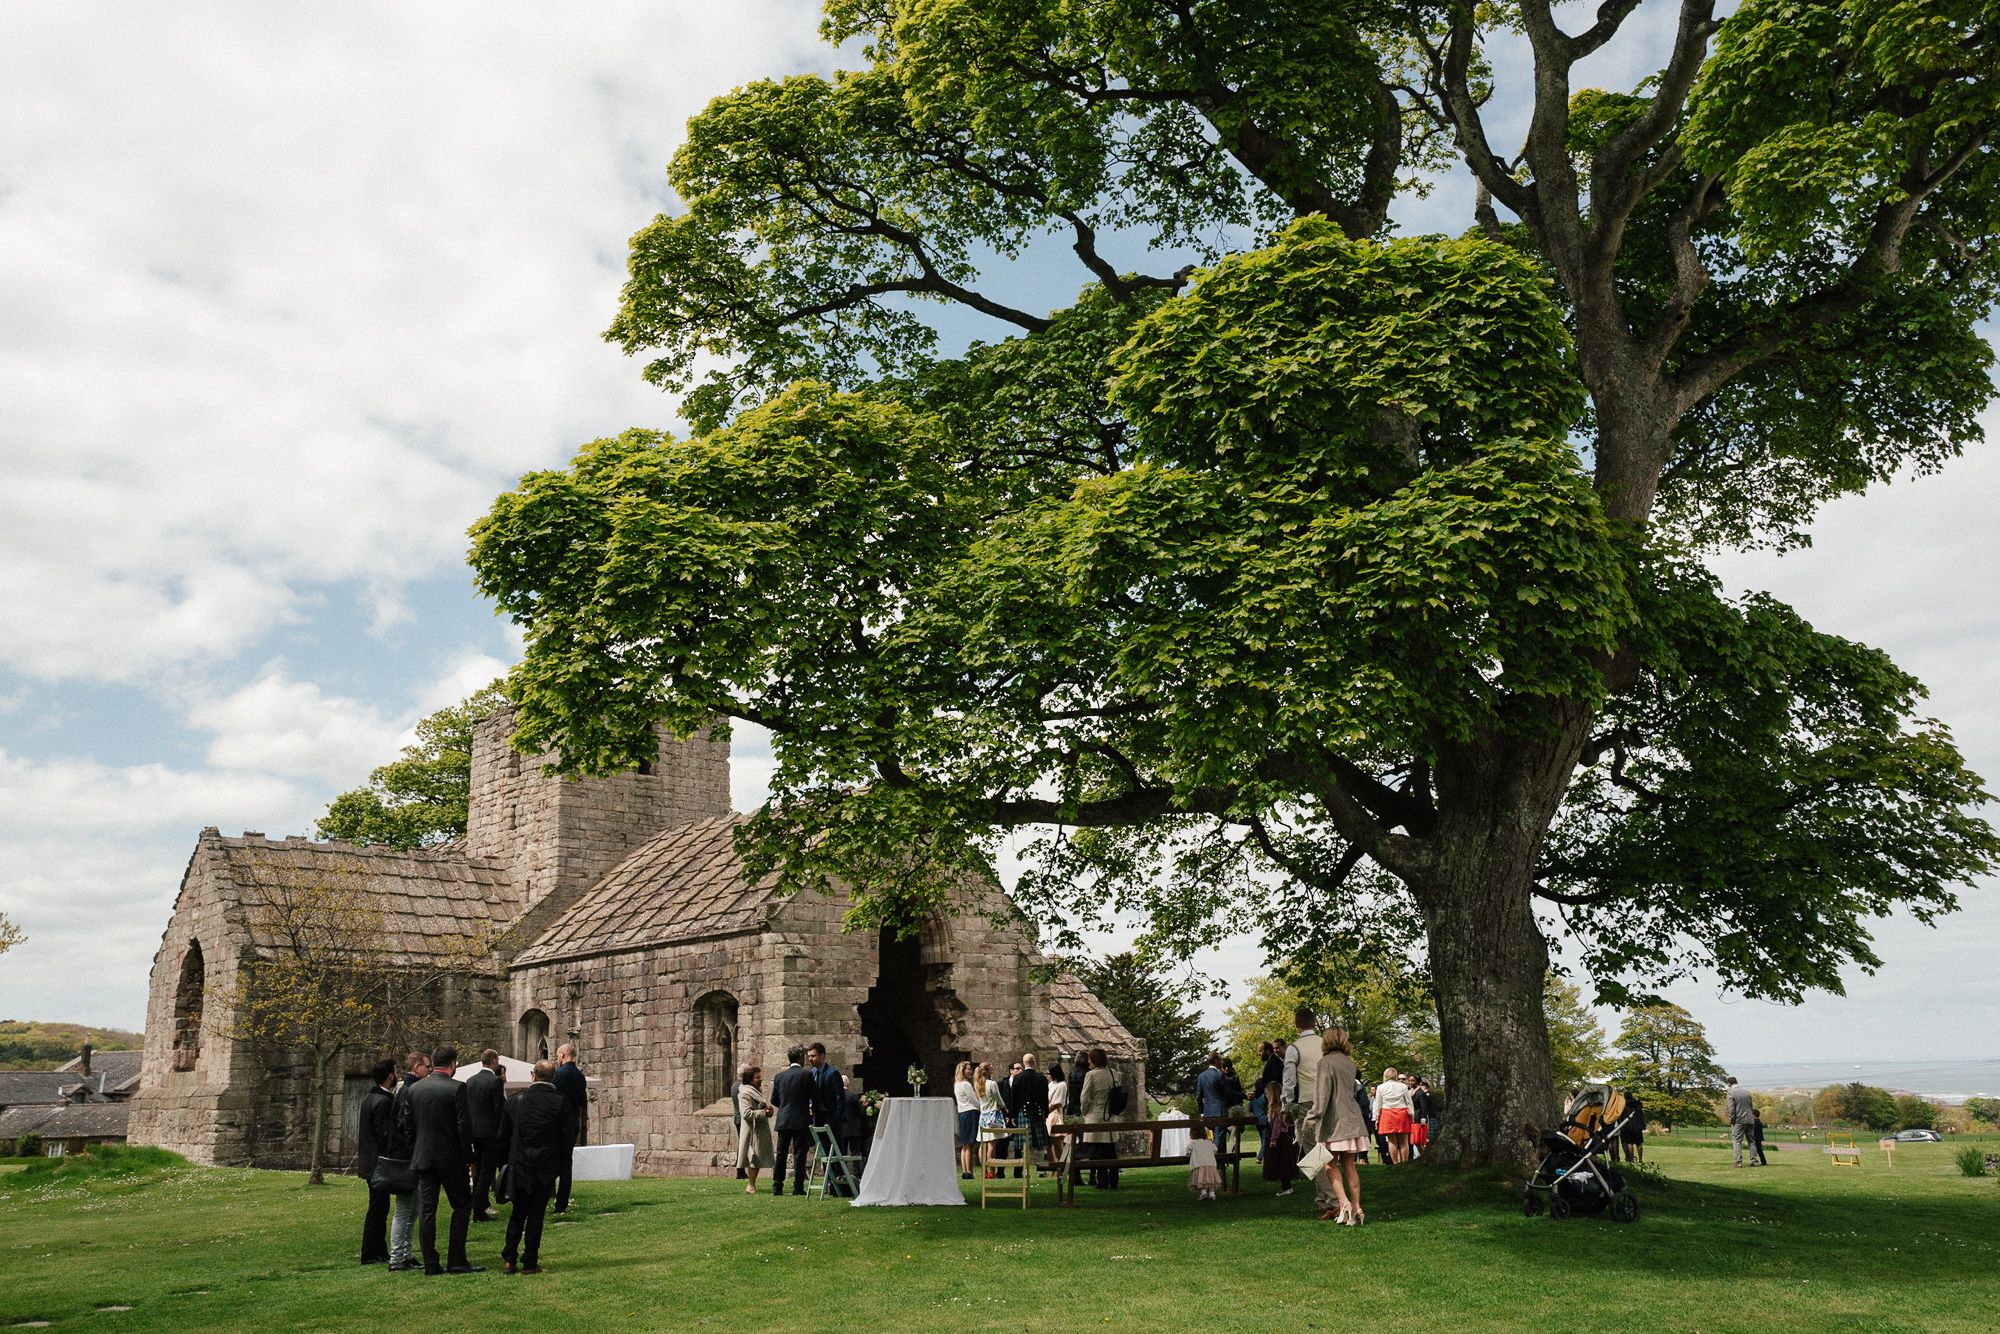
425	1133
1310	1093
775	1128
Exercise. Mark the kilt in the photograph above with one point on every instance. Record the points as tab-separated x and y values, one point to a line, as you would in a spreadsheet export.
1038	1131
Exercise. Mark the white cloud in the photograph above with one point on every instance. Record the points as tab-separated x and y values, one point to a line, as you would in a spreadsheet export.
292	292
83	803
280	726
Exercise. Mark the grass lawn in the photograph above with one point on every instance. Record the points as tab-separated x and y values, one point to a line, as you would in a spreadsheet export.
1797	1246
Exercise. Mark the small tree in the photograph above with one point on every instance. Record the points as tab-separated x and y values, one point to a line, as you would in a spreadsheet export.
1856	1104
1666	1050
320	983
1914	1113
1577	1049
420	798
1388	1016
1984	1109
10	935
1142	995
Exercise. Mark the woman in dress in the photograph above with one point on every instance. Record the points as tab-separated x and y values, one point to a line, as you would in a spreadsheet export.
1393	1121
1058	1099
992	1112
753	1142
968	1116
1340	1127
1204	1177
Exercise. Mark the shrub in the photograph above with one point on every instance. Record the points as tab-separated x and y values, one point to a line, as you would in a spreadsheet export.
28	1146
1971	1161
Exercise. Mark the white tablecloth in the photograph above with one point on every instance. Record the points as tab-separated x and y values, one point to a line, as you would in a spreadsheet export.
1173	1143
911	1161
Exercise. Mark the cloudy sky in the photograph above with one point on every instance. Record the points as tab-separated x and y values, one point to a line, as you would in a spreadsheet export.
288	294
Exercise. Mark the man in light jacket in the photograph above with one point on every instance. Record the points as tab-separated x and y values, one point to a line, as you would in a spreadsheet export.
1302	1066
1741	1113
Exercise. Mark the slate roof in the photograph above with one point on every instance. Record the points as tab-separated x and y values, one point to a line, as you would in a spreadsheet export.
1080	1021
111	1072
33	1087
682	884
92	1120
432	899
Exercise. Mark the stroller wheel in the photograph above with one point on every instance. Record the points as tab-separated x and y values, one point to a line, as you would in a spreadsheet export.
1559	1208
1531	1205
1624	1207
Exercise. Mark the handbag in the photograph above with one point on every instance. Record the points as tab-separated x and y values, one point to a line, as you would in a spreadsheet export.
503	1184
394	1175
1315	1161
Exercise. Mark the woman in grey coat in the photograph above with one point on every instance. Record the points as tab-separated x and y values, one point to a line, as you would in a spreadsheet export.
1340	1127
753	1142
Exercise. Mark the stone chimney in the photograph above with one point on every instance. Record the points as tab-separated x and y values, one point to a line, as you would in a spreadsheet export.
83	1059
560	835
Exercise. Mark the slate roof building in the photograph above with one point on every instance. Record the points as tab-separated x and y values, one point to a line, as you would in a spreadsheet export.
614	913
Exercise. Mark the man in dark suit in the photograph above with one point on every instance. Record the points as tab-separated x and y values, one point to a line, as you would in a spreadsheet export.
486	1099
544	1134
443	1148
377	1132
569	1082
829	1092
1031	1103
792	1097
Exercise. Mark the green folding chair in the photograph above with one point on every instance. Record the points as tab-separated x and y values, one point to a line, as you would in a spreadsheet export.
831	1166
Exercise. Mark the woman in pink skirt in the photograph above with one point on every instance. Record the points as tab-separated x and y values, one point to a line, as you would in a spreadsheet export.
1340	1126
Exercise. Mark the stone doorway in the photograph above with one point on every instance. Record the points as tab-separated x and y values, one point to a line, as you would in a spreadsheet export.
911	1016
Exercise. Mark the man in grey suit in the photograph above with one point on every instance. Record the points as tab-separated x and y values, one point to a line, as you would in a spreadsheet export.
486	1100
442	1122
1741	1113
792	1097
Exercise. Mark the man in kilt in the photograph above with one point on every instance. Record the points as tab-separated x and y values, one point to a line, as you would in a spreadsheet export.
1031	1102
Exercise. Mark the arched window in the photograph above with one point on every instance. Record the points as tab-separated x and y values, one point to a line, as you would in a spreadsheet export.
714	1047
531	1036
188	998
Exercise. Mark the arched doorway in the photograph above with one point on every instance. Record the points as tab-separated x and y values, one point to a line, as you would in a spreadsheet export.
911	1016
190	996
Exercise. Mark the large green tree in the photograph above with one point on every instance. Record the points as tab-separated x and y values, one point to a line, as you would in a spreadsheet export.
1288	546
420	798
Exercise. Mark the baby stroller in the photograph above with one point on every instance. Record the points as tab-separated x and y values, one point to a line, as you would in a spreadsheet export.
1572	1179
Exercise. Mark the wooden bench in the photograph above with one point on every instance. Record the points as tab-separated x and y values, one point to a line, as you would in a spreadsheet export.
1065	1139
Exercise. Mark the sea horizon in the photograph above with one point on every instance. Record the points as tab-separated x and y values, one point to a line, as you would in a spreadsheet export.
1951	1081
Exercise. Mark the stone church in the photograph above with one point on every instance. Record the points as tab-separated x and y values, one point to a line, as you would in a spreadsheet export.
613	913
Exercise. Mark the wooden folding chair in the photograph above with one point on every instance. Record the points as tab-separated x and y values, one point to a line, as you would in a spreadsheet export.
1002	1186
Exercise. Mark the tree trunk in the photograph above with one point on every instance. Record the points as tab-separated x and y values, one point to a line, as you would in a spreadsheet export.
1489	962
316	1176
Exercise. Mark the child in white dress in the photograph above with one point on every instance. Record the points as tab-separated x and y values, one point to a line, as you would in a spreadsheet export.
1204	1177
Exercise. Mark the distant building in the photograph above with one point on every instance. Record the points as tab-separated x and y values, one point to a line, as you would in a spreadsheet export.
623	921
80	1103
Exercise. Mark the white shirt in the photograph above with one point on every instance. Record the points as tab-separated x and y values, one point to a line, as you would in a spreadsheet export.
1392	1093
967	1100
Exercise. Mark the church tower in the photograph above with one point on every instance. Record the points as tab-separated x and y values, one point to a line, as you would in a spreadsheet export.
560	835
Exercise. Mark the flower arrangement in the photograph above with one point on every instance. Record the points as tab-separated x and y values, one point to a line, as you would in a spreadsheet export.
918	1077
871	1102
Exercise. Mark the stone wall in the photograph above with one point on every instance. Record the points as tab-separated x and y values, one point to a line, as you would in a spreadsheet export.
561	835
204	1110
633	1016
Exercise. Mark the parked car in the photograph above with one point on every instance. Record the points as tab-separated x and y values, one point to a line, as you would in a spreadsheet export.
1918	1137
